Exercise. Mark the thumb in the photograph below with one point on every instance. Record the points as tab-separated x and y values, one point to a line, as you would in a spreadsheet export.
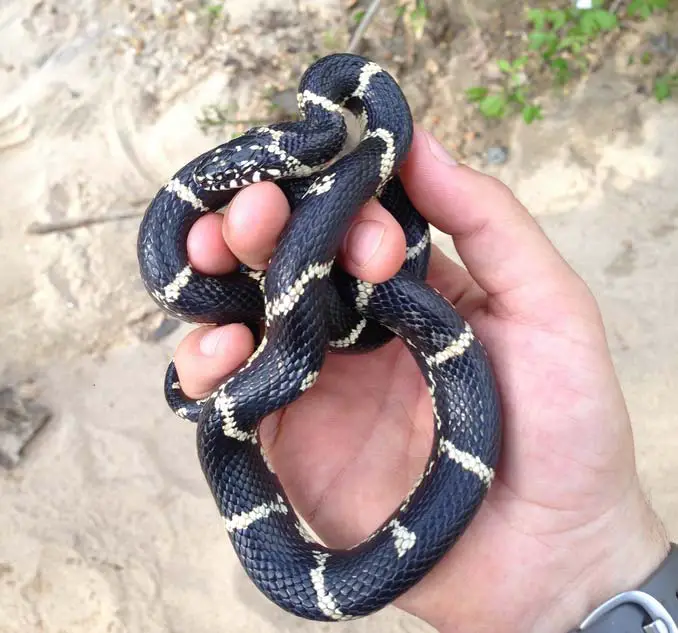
208	354
502	246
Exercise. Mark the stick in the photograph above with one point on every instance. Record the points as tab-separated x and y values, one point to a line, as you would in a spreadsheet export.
615	5
43	228
362	27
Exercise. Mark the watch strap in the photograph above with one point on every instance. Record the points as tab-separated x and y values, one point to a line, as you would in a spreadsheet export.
651	608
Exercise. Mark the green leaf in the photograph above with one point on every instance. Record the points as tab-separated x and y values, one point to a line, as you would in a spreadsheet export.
420	12
574	42
493	106
606	21
538	40
358	16
518	97
558	19
562	70
640	8
645	8
572	13
576	31
633	8
476	93
504	65
532	113
559	64
565	43
588	23
520	62
537	17
662	88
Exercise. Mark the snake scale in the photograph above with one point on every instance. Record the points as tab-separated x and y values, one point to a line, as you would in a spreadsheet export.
305	306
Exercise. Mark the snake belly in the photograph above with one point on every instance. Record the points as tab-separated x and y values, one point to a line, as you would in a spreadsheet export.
308	306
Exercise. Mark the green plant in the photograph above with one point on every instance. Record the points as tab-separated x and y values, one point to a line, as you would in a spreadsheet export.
510	96
664	85
561	36
420	13
214	10
560	40
645	8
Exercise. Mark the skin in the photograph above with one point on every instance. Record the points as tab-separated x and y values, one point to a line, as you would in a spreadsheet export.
565	524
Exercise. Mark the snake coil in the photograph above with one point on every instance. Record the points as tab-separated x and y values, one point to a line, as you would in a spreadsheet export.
309	306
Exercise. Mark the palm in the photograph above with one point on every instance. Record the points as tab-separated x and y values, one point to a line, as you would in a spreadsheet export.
358	439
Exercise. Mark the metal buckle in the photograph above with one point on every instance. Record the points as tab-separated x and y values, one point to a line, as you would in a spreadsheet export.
662	622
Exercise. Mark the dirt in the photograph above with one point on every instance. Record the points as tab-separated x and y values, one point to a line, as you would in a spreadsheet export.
103	101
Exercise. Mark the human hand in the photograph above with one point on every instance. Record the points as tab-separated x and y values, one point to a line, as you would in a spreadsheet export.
565	524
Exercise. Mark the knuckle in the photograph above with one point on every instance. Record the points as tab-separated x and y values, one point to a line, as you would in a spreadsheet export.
503	193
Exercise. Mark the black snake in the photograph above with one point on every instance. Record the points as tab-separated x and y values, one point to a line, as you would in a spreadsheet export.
308	306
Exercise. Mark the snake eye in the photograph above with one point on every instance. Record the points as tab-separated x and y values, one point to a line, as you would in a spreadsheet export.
237	163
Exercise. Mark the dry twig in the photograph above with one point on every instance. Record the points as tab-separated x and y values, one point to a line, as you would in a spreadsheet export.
362	27
44	228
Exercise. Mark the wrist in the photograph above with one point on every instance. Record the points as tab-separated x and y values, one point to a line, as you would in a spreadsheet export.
545	587
630	547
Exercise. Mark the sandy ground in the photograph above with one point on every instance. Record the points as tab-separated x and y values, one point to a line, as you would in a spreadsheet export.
106	523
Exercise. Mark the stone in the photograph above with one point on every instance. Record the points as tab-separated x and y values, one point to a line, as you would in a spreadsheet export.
496	155
21	417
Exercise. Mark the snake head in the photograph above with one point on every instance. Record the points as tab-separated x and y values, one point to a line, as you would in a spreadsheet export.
235	164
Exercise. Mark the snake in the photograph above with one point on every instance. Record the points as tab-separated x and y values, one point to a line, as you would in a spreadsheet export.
305	306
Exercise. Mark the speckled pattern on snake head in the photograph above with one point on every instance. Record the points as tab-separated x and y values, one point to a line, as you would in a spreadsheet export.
238	163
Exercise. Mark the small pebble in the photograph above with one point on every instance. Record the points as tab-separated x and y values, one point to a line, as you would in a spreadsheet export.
496	155
663	43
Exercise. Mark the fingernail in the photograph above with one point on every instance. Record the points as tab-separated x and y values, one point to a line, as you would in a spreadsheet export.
363	240
233	220
239	224
214	342
439	152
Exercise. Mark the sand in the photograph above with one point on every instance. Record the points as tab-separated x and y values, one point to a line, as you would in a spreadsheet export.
106	523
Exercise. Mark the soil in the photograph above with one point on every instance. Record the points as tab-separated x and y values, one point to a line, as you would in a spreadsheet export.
103	100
